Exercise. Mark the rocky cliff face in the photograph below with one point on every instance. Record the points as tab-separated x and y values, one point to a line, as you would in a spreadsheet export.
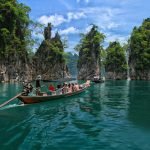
88	67
49	60
138	74
15	68
139	54
116	75
89	54
116	63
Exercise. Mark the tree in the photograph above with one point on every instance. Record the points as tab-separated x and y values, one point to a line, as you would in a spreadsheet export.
90	44
14	32
140	47
115	59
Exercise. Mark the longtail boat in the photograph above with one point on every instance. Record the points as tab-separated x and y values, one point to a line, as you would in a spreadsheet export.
38	99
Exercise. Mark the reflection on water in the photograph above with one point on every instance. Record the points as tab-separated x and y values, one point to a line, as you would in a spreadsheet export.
139	103
109	115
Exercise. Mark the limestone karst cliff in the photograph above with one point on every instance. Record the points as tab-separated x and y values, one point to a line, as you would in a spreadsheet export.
139	52
89	54
49	59
116	63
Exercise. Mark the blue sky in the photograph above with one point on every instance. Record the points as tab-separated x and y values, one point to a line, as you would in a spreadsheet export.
115	18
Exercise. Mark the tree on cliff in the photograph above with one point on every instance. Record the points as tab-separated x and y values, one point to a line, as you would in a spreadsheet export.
49	60
115	59
14	32
139	58
89	49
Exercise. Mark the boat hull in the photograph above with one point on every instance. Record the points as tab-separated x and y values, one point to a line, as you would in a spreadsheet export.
38	99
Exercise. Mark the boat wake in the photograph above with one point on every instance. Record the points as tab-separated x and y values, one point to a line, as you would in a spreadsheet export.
11	106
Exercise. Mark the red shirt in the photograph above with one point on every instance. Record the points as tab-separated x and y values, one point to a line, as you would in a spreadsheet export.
51	88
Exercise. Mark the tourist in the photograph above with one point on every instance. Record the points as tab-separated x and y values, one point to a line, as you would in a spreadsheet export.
76	87
72	86
69	88
52	89
65	88
87	84
59	89
37	84
27	88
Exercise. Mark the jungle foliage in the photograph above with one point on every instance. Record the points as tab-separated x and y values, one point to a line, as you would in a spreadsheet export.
14	31
140	46
116	58
90	43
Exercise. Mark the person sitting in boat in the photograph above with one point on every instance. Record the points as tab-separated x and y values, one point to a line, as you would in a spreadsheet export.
72	86
27	88
59	89
87	84
52	89
65	88
69	88
76	87
81	86
38	85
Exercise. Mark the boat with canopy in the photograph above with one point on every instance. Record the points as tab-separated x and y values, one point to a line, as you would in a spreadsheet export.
43	96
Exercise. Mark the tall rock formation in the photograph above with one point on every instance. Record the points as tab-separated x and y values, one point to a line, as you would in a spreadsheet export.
49	59
116	64
89	54
139	54
15	68
14	40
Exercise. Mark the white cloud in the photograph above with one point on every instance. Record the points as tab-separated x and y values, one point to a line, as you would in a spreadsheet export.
115	37
70	30
54	19
87	29
75	15
103	17
57	20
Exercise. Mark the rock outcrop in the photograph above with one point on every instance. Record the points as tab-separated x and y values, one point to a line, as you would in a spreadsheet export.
89	54
87	67
116	75
116	63
49	59
15	68
139	54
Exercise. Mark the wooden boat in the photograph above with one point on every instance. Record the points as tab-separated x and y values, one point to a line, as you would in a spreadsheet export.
38	99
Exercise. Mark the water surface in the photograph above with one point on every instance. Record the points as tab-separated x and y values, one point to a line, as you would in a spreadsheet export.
114	115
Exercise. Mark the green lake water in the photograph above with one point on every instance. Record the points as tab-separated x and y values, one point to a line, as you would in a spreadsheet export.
114	115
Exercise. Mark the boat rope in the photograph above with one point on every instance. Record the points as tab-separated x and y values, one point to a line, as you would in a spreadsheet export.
5	103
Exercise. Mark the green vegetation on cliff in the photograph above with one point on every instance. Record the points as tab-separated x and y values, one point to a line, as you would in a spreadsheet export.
51	49
50	58
115	59
90	44
89	48
14	32
140	47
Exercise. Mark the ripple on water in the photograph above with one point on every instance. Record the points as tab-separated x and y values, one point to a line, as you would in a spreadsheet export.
109	116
